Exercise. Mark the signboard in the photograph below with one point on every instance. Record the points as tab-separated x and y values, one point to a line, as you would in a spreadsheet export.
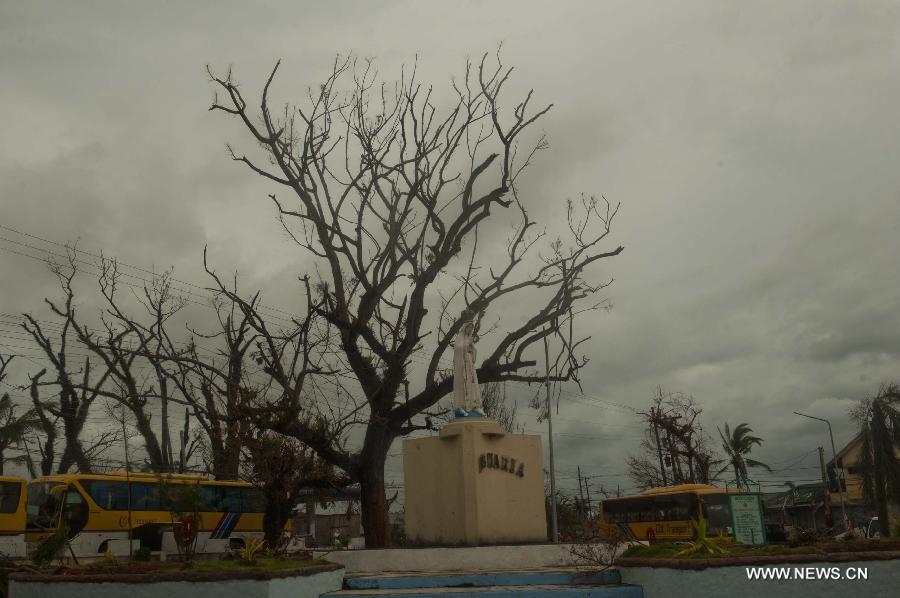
747	518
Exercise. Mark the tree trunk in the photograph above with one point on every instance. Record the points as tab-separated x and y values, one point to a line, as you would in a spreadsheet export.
48	454
884	527
164	434
151	444
231	462
73	454
373	503
226	457
883	446
276	515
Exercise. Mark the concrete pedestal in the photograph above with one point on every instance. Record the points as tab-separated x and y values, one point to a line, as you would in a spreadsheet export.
474	484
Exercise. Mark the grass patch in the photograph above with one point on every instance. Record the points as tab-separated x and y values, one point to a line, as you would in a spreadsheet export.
202	566
261	564
669	550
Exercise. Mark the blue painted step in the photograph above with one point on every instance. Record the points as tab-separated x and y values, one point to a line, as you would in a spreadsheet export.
558	576
523	591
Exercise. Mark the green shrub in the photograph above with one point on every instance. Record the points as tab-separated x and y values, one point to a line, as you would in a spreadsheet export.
142	554
52	547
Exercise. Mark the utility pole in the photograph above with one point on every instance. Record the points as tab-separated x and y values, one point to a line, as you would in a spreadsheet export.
554	524
838	471
580	491
127	485
587	491
828	516
654	415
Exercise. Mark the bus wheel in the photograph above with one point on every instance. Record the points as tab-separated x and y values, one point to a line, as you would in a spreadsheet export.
651	535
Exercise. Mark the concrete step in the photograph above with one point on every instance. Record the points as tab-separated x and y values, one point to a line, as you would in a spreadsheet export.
504	577
518	591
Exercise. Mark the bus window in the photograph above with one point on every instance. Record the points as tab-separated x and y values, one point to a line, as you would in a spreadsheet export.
180	497
220	499
678	507
665	508
211	498
252	500
232	499
108	494
628	511
10	492
145	496
42	506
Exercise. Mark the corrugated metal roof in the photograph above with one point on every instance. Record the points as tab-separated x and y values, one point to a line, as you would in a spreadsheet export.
803	495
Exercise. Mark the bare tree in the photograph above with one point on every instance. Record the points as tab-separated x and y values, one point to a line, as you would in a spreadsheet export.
643	469
218	385
213	384
675	448
73	389
126	344
387	193
497	406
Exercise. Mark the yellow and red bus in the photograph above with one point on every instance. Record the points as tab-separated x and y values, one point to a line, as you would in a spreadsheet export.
666	513
99	509
12	516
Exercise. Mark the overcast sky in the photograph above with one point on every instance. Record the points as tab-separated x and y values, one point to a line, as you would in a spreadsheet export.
753	146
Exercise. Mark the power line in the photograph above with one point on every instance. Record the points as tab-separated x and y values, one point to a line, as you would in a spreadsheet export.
118	262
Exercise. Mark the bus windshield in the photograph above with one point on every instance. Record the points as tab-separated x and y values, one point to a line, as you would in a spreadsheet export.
42	506
718	514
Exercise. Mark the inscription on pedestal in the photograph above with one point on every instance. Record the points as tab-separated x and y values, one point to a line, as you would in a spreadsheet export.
501	462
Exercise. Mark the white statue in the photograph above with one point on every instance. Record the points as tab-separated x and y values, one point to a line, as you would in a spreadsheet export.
466	393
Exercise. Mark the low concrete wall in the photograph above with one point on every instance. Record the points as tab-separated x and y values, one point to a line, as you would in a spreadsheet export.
702	578
476	558
298	583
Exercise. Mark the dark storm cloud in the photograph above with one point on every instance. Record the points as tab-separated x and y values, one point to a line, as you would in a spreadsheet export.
753	147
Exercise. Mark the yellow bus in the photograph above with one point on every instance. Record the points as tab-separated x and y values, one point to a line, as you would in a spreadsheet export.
12	516
99	509
665	513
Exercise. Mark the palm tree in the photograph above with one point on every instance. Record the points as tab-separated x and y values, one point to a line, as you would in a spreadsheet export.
880	467
737	444
13	428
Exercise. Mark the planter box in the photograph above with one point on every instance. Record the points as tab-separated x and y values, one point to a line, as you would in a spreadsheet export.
310	582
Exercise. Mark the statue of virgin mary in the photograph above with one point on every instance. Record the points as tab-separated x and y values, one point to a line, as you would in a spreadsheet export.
466	393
